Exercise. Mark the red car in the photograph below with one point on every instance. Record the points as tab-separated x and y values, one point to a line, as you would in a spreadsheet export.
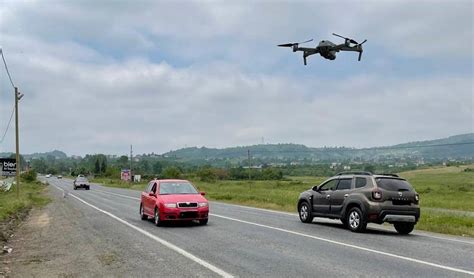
170	200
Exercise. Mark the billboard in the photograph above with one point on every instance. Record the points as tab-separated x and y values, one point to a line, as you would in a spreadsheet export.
8	166
125	175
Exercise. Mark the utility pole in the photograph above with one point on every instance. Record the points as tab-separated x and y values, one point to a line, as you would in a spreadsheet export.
131	158
248	153
18	96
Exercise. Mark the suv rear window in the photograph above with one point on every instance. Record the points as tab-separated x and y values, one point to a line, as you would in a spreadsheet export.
393	184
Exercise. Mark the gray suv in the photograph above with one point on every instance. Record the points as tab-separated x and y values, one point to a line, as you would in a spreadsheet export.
357	198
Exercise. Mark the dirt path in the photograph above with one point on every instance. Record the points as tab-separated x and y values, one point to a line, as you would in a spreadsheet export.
51	244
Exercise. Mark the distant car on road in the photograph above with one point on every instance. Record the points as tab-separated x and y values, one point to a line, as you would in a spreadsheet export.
48	175
170	200
81	182
358	198
60	177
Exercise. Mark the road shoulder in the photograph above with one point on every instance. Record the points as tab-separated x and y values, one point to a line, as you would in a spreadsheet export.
52	243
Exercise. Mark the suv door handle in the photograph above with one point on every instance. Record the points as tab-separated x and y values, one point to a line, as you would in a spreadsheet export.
328	196
346	195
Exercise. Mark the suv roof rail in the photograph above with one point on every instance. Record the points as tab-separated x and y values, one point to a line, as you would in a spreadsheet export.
389	174
354	173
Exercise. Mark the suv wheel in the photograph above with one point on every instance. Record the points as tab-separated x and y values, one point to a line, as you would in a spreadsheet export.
404	228
355	220
142	213
305	213
157	218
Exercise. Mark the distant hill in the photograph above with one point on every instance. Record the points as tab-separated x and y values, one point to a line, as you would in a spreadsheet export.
454	147
56	154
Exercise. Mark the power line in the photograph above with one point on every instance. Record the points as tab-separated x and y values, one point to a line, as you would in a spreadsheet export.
8	126
13	85
6	68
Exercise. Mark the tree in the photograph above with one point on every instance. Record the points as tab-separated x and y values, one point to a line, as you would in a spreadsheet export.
157	167
103	166
39	165
122	162
22	161
171	173
97	166
369	168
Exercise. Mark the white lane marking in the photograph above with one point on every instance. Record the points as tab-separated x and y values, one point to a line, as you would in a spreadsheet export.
119	195
443	238
157	239
295	214
261	209
348	245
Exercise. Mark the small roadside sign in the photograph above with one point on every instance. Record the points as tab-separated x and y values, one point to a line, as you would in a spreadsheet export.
8	166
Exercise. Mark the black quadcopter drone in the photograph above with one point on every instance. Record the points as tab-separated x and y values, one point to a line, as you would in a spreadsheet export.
327	49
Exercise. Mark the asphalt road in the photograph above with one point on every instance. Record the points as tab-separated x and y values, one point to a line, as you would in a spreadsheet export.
248	242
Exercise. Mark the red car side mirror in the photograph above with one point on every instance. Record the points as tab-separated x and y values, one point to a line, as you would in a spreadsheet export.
152	194
203	193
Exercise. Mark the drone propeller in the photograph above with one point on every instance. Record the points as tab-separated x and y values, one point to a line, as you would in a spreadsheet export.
293	43
348	39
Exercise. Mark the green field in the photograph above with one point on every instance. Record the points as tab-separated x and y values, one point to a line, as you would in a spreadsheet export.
31	195
445	187
445	193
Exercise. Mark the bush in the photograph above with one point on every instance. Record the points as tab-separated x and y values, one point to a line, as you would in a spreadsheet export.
206	174
212	174
29	176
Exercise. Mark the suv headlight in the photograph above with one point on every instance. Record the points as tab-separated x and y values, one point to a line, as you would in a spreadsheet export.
203	204
170	205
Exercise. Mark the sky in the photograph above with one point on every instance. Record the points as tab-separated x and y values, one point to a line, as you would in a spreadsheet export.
163	75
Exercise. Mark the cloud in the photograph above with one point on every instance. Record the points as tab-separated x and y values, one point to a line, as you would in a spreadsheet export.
162	75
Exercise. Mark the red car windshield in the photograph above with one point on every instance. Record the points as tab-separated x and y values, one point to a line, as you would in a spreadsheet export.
177	188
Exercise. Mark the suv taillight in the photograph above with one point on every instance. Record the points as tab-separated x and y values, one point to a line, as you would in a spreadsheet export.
376	195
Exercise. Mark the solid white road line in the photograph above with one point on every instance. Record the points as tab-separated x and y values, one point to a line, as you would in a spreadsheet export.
157	239
348	245
295	214
119	195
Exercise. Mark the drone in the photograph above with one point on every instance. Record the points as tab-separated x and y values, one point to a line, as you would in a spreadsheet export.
327	49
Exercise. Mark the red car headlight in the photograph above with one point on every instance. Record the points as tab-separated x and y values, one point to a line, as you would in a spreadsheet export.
203	204
170	205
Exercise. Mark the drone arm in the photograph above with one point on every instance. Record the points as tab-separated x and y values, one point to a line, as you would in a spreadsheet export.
343	47
308	49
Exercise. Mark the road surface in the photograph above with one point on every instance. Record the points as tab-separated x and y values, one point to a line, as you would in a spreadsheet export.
246	242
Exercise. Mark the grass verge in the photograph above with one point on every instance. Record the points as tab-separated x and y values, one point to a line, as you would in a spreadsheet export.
31	195
14	209
446	223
